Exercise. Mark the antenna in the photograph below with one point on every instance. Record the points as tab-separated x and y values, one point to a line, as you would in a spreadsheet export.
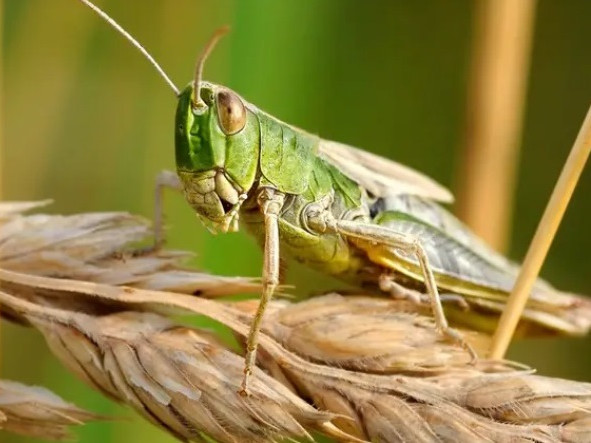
134	42
198	103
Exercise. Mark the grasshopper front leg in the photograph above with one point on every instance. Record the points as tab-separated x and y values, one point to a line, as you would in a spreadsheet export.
164	180
324	222
270	202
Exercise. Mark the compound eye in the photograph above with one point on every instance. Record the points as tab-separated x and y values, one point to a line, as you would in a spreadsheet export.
231	112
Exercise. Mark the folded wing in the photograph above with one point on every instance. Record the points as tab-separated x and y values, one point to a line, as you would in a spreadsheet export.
380	176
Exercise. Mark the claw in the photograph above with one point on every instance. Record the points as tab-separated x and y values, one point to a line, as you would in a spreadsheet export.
457	337
243	391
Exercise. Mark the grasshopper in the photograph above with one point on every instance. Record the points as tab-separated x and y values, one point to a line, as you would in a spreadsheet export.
343	211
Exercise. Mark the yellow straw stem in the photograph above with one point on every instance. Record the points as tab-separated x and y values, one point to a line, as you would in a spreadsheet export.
543	239
496	99
1	113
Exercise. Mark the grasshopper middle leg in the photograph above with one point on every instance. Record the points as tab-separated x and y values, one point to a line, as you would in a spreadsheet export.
325	222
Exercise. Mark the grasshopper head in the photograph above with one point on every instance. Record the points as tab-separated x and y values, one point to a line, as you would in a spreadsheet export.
217	150
217	143
217	140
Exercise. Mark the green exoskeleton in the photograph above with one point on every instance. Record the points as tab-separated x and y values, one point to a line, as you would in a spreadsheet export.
343	211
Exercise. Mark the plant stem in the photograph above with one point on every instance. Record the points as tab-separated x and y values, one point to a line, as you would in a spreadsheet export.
496	99
543	239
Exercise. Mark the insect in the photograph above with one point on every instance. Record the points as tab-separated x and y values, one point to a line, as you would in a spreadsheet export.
341	210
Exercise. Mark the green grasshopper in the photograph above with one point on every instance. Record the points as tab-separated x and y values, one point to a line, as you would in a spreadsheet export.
345	212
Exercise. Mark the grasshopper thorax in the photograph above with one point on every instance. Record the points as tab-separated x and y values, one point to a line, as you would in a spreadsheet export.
217	142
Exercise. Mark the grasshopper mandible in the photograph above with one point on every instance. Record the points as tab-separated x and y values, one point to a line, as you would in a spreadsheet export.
343	211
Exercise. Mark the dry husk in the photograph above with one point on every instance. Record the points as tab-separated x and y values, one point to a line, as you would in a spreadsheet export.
37	412
354	368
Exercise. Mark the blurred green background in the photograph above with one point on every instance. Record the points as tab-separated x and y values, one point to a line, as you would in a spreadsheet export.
89	123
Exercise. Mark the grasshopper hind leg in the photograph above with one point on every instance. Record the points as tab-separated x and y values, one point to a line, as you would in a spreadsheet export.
389	285
324	222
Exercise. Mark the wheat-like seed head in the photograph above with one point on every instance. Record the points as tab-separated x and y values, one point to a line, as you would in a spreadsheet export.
354	368
37	412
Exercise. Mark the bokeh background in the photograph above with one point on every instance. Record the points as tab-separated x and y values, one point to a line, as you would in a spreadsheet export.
89	123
